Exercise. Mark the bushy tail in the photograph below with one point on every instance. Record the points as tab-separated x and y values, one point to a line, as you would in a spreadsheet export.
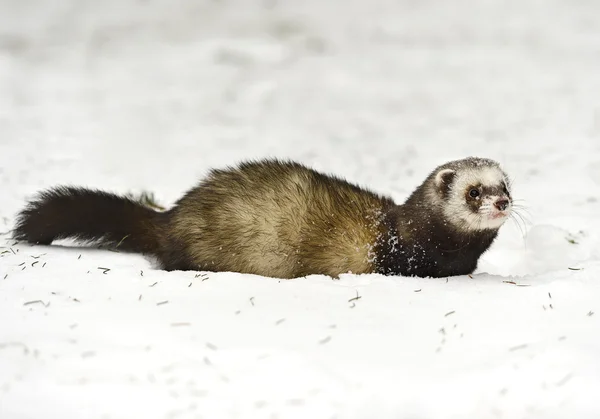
90	215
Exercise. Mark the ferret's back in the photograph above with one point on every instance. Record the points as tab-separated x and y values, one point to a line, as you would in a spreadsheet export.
278	219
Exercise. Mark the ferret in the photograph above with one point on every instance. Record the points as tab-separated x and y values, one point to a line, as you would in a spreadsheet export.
282	219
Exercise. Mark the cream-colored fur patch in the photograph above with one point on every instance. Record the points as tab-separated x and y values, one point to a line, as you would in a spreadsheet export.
457	210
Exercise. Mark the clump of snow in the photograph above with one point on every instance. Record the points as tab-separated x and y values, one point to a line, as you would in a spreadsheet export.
131	96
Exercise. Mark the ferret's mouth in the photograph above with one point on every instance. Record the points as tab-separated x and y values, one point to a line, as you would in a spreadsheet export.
493	219
498	215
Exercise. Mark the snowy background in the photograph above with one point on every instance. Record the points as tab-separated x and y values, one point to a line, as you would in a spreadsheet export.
129	95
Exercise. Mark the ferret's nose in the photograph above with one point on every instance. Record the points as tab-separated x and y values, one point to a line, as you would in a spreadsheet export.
502	204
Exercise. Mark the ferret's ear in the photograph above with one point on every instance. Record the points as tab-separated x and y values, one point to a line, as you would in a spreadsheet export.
443	180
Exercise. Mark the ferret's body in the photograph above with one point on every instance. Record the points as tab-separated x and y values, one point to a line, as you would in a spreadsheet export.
276	219
284	220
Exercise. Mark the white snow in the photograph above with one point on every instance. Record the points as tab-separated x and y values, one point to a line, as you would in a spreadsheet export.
129	95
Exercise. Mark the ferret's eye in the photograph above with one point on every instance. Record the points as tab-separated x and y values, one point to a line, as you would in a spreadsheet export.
473	193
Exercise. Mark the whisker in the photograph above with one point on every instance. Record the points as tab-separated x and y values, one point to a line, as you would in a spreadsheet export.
523	220
523	211
519	226
518	213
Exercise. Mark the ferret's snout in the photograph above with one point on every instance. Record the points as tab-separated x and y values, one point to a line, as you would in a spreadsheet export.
501	204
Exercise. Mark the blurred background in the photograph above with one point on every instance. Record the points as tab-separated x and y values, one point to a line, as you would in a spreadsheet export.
150	94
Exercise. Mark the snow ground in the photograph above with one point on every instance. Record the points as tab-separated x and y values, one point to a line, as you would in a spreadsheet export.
129	95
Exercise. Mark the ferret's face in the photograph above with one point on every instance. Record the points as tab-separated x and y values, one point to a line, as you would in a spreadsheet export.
475	198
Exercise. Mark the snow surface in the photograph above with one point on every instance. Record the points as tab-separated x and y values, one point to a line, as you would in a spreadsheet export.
129	95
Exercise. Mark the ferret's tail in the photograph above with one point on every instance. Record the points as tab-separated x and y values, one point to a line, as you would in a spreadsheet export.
90	215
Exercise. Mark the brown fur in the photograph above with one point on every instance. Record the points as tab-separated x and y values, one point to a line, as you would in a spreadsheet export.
269	218
277	219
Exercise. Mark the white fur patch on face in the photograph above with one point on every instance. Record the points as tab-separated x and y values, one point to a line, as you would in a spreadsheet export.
474	221
488	176
458	211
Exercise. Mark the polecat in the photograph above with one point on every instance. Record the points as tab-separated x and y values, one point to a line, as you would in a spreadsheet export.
281	219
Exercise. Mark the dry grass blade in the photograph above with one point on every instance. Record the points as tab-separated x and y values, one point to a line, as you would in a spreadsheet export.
28	303
358	297
518	347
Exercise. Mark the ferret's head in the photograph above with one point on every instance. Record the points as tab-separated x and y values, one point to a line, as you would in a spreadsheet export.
473	193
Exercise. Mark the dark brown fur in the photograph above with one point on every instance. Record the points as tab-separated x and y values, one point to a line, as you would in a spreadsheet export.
269	218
